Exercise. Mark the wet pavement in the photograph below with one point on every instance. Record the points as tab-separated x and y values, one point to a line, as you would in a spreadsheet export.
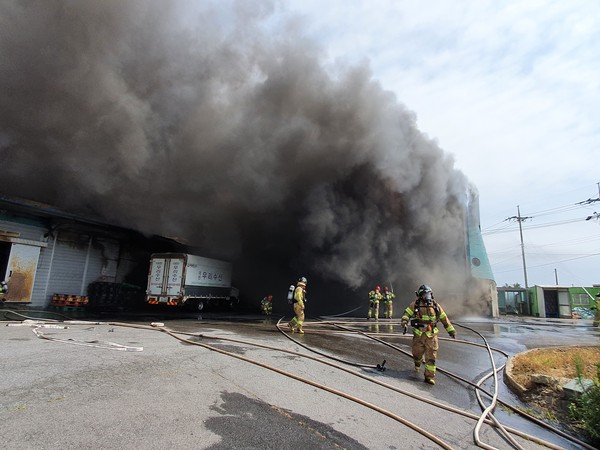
78	391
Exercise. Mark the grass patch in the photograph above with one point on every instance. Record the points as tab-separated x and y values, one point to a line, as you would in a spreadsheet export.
583	415
557	362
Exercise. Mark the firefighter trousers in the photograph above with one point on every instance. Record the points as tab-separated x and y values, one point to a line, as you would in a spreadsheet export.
374	309
298	319
424	349
387	309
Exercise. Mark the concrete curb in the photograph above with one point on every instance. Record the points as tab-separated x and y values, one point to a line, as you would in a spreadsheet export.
509	379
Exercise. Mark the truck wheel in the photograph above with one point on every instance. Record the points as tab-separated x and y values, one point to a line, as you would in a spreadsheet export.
200	305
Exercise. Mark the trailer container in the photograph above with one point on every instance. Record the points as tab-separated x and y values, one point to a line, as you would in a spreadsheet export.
181	279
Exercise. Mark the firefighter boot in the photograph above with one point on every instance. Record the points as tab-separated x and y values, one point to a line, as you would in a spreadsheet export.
429	381
416	372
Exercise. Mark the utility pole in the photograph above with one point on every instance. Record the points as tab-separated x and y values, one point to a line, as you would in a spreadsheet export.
520	219
589	201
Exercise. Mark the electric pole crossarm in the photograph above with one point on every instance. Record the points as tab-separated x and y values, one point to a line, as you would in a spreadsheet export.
589	201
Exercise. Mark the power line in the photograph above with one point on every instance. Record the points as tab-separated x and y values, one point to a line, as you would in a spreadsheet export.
565	260
534	227
557	210
579	240
589	201
550	263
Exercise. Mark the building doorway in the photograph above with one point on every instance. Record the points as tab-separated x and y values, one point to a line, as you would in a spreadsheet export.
551	303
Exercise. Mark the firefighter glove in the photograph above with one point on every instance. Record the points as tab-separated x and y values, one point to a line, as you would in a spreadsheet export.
453	335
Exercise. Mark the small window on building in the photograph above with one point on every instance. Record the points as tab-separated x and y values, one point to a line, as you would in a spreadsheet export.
581	299
476	262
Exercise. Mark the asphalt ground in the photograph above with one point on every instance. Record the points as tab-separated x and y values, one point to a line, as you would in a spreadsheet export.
107	386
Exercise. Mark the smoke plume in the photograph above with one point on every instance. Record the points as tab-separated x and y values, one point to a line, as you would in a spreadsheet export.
220	124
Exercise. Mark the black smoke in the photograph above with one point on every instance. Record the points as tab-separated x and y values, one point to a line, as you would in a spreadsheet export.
219	124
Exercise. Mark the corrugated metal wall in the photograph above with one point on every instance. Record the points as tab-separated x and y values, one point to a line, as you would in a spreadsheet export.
70	261
80	259
103	261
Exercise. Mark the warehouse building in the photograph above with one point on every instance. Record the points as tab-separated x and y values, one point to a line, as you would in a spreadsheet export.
45	252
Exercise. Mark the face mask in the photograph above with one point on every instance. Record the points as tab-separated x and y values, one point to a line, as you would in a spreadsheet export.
427	296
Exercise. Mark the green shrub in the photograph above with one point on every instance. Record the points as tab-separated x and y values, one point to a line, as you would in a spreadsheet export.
586	409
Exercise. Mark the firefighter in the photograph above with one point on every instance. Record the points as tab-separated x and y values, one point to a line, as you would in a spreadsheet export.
3	290
266	305
374	298
596	321
298	302
388	307
424	314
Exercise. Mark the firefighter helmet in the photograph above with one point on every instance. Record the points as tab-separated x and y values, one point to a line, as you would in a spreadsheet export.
302	280
385	288
377	288
423	289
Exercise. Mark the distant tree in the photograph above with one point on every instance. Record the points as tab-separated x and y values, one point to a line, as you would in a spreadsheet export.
515	286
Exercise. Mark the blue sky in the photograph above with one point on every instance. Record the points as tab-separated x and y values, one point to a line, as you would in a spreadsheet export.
511	89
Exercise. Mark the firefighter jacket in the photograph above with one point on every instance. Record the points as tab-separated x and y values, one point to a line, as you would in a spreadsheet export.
300	295
375	296
425	317
266	306
388	296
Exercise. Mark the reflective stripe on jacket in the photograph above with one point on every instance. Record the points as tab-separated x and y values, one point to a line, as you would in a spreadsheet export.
428	316
299	294
375	296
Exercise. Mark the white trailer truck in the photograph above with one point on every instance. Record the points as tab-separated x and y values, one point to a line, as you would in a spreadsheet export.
178	279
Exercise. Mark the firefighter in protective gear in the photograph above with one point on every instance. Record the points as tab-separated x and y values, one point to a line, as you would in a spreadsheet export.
298	302
266	305
424	314
596	321
374	298
3	289
388	307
